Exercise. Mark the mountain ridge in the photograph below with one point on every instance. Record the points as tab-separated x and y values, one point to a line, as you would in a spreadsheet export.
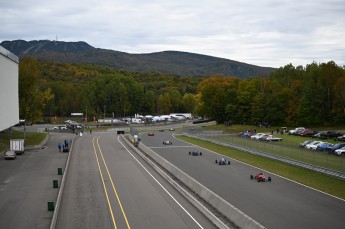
170	62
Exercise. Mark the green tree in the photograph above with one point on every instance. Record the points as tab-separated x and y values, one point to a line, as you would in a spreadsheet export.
175	100
33	97
214	95
189	103
164	103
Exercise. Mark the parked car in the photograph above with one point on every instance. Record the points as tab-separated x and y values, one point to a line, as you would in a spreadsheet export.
60	127
313	144
335	147
340	152
10	154
270	138
307	133
317	135
246	134
257	136
330	134
296	130
303	144
324	146
341	138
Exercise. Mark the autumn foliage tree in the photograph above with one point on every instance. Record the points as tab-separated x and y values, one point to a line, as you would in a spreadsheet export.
33	95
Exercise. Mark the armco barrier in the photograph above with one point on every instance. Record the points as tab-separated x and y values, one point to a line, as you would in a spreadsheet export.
232	213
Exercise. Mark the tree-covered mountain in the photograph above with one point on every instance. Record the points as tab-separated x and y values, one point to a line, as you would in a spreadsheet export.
169	62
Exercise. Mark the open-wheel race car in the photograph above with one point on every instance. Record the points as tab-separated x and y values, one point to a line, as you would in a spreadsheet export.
195	153
167	142
260	177
222	161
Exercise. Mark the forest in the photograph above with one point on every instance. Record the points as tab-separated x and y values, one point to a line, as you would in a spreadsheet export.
313	95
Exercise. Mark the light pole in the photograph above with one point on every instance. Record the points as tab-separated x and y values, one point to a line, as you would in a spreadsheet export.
104	113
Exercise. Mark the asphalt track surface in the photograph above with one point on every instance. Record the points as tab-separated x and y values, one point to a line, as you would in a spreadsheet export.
110	187
26	186
278	204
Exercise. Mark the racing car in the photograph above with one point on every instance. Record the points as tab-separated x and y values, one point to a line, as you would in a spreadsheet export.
195	153
260	177
167	142
223	161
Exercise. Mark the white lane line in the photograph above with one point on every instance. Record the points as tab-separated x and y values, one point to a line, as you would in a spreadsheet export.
161	185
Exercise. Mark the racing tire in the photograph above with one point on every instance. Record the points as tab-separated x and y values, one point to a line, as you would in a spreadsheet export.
228	162
220	163
200	154
216	162
269	179
258	180
189	153
251	177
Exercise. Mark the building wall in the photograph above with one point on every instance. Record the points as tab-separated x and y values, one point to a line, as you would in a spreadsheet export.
9	93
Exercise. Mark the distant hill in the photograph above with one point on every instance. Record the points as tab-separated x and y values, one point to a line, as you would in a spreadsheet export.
171	62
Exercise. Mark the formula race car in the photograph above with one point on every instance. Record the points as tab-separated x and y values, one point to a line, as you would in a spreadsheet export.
167	142
151	134
260	177
195	153
223	161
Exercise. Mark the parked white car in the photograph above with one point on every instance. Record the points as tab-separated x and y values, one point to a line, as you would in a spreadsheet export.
313	145
60	127
257	136
298	129
10	155
270	138
340	151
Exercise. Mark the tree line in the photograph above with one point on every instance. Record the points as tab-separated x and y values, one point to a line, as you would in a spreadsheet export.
310	95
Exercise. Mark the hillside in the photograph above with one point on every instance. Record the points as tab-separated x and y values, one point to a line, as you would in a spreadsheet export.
170	62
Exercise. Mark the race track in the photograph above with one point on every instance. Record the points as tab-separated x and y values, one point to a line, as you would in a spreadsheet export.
277	204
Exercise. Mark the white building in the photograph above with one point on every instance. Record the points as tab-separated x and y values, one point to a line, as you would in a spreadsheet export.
9	92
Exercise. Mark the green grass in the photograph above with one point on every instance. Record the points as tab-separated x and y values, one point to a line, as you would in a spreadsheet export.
312	179
289	148
31	138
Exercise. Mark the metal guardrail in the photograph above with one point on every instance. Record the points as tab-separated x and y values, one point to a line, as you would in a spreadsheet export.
326	171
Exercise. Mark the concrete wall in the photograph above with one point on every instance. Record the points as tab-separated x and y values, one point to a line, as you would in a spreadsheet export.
9	93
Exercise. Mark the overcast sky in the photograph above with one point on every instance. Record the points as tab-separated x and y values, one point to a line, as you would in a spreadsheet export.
270	33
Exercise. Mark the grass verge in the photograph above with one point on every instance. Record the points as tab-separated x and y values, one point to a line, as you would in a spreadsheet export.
31	138
312	179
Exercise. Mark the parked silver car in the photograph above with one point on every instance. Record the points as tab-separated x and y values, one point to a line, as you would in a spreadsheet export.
10	154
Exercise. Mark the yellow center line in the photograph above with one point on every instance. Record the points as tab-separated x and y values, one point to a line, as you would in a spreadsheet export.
105	189
112	183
